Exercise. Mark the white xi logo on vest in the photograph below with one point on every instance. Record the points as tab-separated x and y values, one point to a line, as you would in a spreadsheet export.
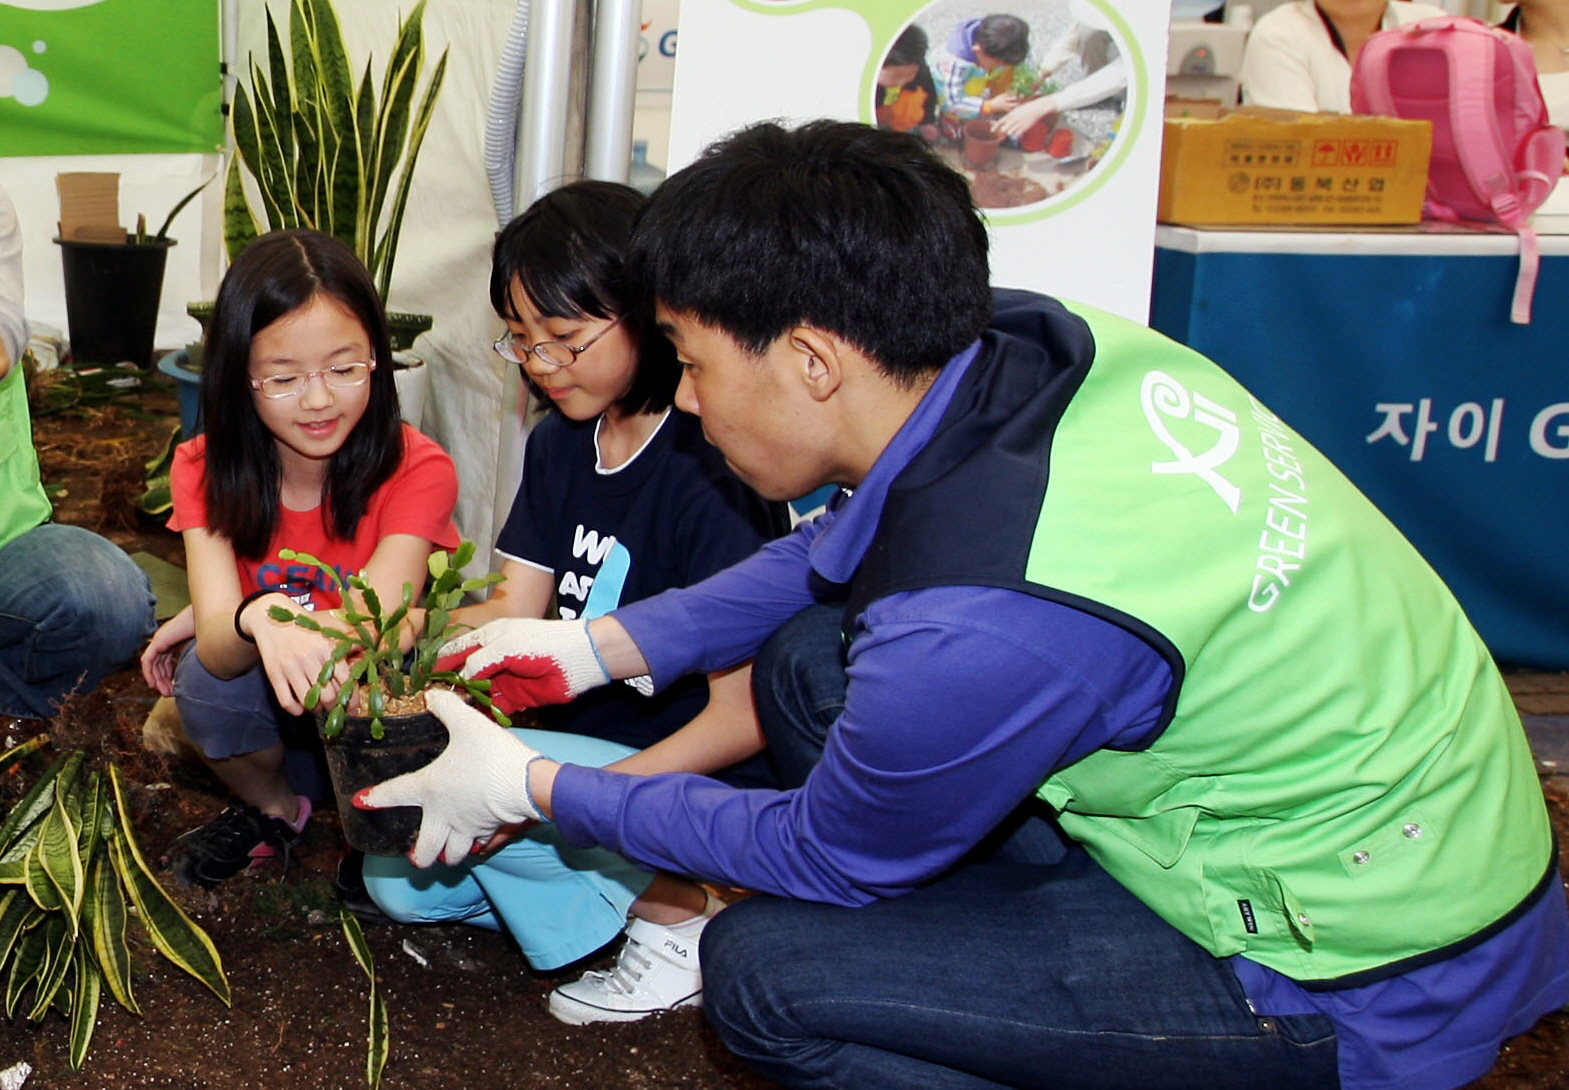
1164	398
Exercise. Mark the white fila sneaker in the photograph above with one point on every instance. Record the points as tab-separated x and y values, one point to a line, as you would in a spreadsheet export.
656	971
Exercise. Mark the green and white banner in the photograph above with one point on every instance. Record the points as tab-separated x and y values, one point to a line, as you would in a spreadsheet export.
1069	197
83	77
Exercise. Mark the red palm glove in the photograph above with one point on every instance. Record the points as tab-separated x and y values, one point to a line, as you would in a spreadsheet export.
528	662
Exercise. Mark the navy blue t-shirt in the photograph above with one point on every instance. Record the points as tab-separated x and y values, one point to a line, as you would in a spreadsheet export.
671	516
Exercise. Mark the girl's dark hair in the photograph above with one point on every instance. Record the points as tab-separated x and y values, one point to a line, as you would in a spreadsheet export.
276	275
568	253
908	48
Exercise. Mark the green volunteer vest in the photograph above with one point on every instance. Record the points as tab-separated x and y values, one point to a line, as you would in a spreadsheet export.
23	503
1342	790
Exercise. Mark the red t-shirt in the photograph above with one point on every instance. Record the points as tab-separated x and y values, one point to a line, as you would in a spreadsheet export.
418	499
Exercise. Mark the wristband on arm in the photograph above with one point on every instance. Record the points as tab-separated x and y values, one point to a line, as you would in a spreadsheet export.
247	600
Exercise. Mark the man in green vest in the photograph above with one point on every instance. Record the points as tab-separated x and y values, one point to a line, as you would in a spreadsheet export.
1129	745
72	605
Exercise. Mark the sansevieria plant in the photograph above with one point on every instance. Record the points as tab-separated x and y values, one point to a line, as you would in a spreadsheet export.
71	878
327	150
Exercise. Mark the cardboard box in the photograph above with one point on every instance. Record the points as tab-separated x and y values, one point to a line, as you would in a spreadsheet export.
1255	166
89	207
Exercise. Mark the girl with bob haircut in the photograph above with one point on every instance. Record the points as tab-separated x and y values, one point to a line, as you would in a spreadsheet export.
621	498
304	449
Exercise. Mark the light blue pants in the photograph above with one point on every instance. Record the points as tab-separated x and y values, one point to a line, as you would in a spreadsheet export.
559	902
73	607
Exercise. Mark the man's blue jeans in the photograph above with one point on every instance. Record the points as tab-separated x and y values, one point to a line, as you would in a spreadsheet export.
73	607
1026	966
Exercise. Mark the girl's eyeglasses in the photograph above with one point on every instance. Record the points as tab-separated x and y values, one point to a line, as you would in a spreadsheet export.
338	376
552	354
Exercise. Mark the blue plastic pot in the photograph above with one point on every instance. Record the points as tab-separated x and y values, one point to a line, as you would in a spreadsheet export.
187	381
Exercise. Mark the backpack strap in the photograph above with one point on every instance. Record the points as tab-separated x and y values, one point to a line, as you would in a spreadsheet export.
1525	279
1490	169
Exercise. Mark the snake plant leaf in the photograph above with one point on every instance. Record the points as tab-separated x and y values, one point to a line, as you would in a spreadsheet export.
281	100
22	750
239	225
326	99
104	916
258	131
55	879
352	184
14	873
27	962
387	246
17	912
59	954
35	804
90	817
84	1009
276	101
376	1052
385	130
170	929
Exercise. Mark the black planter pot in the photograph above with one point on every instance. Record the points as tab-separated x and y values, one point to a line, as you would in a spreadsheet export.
112	291
356	761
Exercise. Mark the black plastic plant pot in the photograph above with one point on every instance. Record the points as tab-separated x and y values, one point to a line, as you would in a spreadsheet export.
112	291
355	761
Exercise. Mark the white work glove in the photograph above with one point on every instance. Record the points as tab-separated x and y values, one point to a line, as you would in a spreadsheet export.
477	785
528	662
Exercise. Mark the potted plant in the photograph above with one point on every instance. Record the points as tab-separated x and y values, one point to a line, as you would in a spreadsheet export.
328	152
112	290
377	726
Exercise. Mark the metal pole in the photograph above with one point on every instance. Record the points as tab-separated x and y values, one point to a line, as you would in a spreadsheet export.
612	90
547	88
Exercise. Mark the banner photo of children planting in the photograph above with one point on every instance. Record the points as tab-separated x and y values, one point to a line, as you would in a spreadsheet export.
1051	108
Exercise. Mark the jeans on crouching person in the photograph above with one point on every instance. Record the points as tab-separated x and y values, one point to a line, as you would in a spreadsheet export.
1026	965
73	608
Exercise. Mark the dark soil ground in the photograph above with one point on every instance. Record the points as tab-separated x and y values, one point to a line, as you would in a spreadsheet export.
465	1011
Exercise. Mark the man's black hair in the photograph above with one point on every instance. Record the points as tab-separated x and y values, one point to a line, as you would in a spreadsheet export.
1006	37
856	231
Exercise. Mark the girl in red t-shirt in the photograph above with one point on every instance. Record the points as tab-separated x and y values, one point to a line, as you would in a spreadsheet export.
303	449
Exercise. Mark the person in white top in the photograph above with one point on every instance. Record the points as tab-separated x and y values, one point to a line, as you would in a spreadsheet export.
1299	56
1544	24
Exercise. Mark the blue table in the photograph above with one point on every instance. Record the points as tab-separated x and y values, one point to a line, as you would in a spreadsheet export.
1393	353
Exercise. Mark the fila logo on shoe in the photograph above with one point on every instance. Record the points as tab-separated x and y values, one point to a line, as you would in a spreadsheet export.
675	948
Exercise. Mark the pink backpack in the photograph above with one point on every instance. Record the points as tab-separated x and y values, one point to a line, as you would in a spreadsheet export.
1495	157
